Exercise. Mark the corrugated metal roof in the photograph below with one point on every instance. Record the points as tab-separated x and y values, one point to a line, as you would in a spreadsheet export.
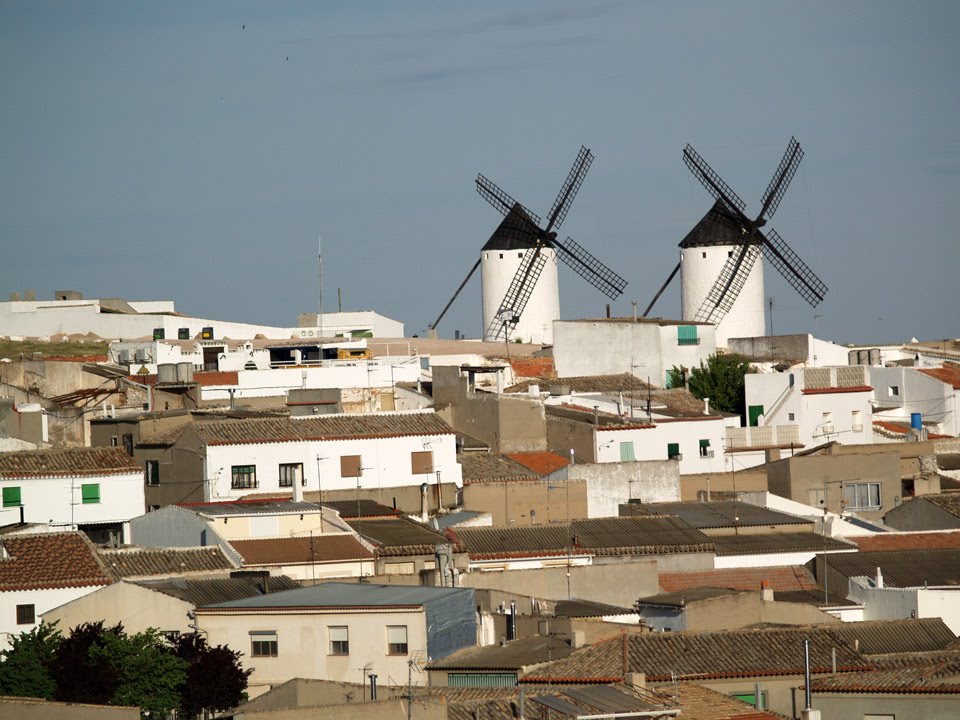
720	514
251	507
685	597
61	462
350	509
881	637
588	608
778	578
902	568
786	542
399	536
346	595
216	590
515	655
623	382
300	550
328	427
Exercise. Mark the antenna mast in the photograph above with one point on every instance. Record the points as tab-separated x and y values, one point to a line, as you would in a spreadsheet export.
320	300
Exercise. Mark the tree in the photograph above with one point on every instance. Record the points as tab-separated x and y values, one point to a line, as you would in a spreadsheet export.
82	674
215	680
149	674
26	667
721	380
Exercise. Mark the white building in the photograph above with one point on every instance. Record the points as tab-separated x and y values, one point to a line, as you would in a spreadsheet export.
96	490
333	452
644	347
899	392
825	404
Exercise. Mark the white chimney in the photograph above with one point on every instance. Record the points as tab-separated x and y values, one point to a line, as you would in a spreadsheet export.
879	579
297	490
424	510
706	406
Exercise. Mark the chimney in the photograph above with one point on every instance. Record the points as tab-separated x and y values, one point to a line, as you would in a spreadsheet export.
634	310
298	489
512	623
706	406
424	512
608	311
879	579
373	686
766	593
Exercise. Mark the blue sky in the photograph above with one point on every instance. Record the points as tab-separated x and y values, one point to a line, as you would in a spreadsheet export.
164	150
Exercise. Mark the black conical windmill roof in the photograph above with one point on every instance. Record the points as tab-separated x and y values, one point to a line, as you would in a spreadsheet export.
517	231
717	227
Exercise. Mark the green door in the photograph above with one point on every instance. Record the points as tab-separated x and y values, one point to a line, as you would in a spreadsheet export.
753	414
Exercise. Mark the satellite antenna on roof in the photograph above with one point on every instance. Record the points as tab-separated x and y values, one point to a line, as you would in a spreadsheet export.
519	276
718	257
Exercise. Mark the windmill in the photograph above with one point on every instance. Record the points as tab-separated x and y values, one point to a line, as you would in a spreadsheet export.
722	283
519	276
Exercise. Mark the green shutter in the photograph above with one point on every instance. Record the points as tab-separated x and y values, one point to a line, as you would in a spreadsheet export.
626	452
704	443
687	335
753	414
90	493
11	496
673	449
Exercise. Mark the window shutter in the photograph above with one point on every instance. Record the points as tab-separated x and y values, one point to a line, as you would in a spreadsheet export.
350	466
90	493
11	496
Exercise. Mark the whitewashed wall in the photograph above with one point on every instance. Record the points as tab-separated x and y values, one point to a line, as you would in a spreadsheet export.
58	500
42	600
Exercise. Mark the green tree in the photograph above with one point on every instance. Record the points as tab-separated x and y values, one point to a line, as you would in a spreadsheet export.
149	674
198	693
721	380
25	670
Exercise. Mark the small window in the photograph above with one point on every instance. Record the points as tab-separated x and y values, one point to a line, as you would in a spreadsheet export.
152	470
704	448
673	451
704	255
519	255
501	256
183	333
90	492
350	466
396	639
687	335
895	390
263	643
128	443
753	415
26	615
11	497
861	496
856	421
243	477
159	334
729	253
791	417
626	452
421	463
339	640
114	441
291	473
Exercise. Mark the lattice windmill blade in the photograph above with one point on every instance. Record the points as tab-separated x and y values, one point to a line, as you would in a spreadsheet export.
796	272
713	183
561	206
518	293
590	268
726	288
781	180
500	200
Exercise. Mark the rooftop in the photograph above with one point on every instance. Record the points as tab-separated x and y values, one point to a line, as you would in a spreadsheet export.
515	655
301	550
778	578
351	509
588	609
490	467
910	635
584	384
345	595
542	463
266	506
685	597
216	590
949	374
599	536
909	540
399	536
781	542
902	568
67	462
131	562
50	560
937	679
720	514
948	502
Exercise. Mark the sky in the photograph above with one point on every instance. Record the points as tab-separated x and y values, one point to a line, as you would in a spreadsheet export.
197	151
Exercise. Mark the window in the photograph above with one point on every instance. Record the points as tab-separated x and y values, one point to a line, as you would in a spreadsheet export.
263	643
350	466
26	615
396	639
626	452
11	497
183	333
894	390
152	470
861	496
827	425
243	477
705	449
399	568
114	441
791	417
751	699
90	493
339	640
687	335
856	421
128	443
673	451
291	473
421	463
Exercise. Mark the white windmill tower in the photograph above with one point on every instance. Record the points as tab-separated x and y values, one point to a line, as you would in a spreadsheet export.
721	280
521	297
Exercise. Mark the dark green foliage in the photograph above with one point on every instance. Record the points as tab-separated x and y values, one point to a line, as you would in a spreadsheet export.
105	666
204	662
25	670
721	380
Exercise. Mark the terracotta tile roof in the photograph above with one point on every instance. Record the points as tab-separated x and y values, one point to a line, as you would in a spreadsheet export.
909	635
700	703
908	540
778	578
298	550
515	655
785	542
837	390
67	462
937	679
491	467
763	652
398	536
896	430
599	536
50	560
947	374
948	502
902	568
533	367
149	561
330	427
542	463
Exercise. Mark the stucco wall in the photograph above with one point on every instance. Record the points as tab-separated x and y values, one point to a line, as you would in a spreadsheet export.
926	707
35	709
510	502
135	607
612	483
917	514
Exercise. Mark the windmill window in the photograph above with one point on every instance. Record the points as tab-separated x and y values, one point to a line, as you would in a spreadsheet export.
519	255
501	256
729	253
704	255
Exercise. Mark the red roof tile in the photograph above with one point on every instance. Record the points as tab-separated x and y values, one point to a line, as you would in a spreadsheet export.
542	463
298	550
902	428
948	375
779	578
908	541
51	560
834	390
66	462
533	367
